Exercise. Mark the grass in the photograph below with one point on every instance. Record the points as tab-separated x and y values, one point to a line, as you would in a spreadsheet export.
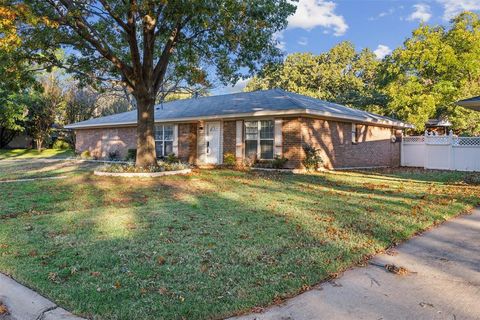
208	245
8	154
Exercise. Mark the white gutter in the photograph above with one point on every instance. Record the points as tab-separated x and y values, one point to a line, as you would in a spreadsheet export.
255	114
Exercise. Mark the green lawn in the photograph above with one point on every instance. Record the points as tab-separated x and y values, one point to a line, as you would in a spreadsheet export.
211	244
33	153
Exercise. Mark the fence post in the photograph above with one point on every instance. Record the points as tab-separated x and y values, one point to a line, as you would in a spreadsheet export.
425	150
451	158
402	150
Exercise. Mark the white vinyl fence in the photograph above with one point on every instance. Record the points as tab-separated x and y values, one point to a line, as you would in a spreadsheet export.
441	152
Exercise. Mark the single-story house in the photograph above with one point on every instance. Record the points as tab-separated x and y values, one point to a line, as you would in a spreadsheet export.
259	125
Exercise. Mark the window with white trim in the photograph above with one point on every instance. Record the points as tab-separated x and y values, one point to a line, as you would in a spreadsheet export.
163	140
357	132
259	137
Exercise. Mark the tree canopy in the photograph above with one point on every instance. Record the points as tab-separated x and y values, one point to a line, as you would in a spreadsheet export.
146	45
420	80
436	67
339	75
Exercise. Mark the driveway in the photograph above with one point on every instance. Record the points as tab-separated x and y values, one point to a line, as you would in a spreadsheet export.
443	282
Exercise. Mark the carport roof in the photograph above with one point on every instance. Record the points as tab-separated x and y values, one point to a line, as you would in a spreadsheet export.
245	104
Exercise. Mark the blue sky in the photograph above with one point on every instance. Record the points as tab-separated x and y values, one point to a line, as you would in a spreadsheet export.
381	25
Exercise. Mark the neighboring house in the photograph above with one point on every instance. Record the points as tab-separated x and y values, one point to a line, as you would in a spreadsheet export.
260	125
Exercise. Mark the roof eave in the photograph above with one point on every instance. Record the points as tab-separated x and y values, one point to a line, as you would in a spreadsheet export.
288	112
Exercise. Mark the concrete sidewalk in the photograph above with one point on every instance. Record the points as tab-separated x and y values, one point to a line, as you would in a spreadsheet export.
444	282
25	304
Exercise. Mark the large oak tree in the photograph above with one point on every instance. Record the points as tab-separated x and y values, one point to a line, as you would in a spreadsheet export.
136	43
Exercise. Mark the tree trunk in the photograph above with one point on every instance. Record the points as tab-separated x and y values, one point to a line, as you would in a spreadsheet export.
39	143
146	155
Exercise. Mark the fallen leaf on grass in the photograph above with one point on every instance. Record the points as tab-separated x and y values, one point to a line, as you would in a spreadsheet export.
163	291
161	260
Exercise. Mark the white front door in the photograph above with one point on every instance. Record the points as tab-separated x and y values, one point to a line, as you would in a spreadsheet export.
212	141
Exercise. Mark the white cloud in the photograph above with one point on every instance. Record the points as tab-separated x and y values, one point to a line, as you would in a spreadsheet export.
382	51
278	36
317	13
383	14
303	41
454	7
421	13
238	87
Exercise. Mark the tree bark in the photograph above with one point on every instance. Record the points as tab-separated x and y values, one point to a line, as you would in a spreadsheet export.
146	154
39	143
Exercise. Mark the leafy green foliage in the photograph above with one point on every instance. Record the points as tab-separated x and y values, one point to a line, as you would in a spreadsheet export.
313	159
229	159
151	46
61	144
340	75
86	155
131	155
436	67
40	118
277	163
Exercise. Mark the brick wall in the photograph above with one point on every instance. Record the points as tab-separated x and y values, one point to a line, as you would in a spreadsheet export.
102	141
292	142
229	137
187	142
335	140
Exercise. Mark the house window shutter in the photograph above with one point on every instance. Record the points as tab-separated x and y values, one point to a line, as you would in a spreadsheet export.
239	139
354	133
278	138
175	140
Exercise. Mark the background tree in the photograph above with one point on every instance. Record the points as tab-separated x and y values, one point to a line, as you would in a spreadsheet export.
40	118
137	42
434	68
340	75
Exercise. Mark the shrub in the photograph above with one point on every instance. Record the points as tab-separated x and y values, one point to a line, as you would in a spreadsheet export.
131	155
312	160
472	178
114	155
172	158
86	155
129	168
277	163
229	159
61	145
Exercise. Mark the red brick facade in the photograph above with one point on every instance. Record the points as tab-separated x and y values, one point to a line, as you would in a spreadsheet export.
102	141
334	138
187	142
229	137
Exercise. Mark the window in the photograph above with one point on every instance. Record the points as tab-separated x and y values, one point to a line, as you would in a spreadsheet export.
357	131
259	136
163	140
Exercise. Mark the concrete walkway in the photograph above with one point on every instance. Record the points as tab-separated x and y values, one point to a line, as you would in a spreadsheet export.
444	282
25	304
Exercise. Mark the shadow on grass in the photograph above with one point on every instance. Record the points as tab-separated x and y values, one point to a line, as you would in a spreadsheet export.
13	154
207	245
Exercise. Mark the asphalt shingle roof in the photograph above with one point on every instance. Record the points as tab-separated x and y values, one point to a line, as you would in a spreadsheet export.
268	102
470	103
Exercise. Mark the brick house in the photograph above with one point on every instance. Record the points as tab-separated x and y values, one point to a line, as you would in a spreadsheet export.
260	125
